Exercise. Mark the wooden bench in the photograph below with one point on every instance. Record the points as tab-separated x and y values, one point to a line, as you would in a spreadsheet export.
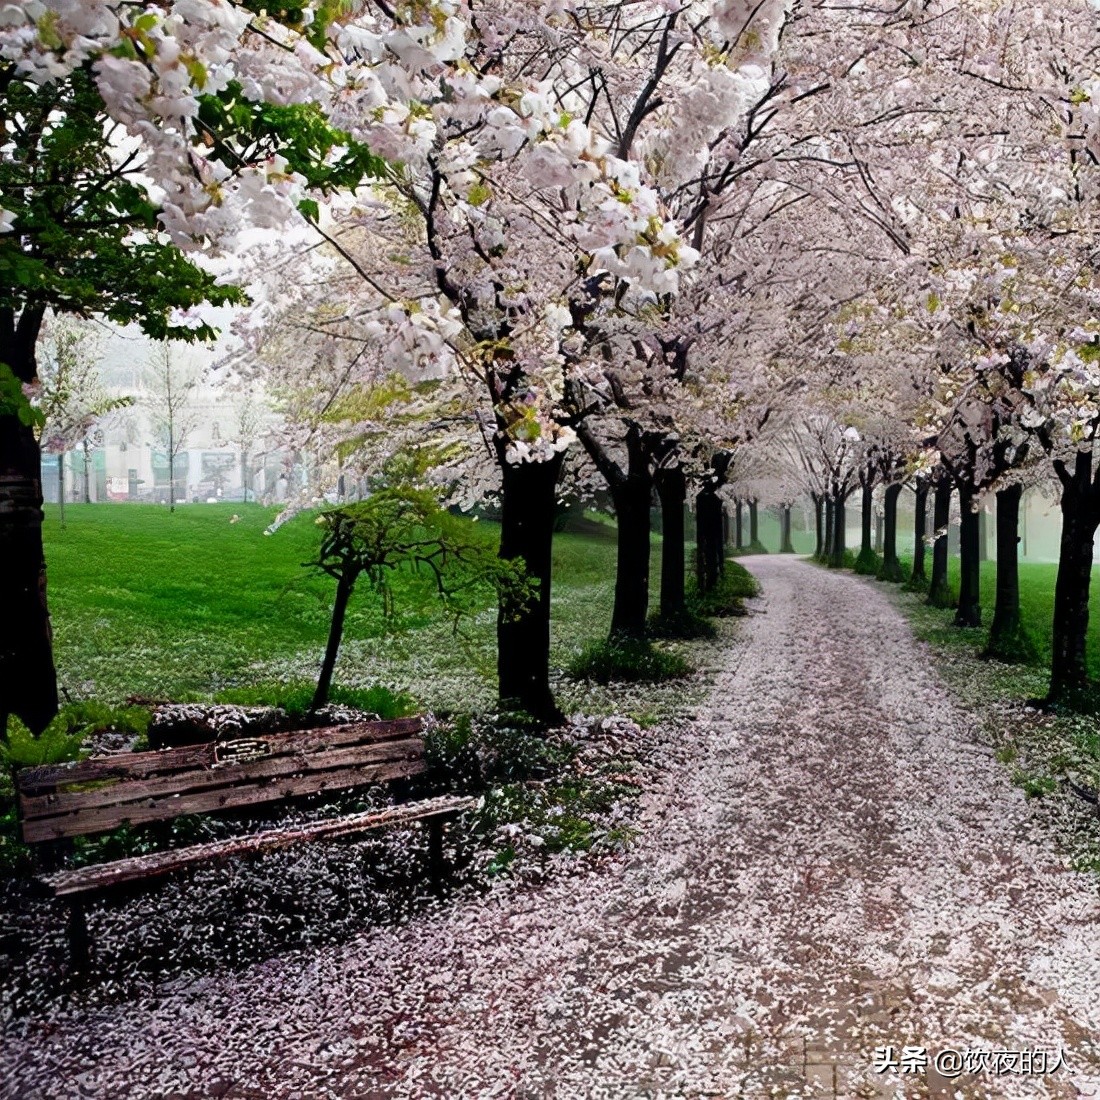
96	795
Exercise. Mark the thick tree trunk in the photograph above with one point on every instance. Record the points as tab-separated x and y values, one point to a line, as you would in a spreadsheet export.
819	525
708	524
632	493
754	528
1069	658
344	588
28	681
867	560
1008	640
830	524
785	544
890	570
632	498
969	612
528	496
672	491
917	578
939	590
836	551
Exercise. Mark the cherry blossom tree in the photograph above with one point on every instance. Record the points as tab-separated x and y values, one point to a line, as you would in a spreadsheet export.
134	131
530	229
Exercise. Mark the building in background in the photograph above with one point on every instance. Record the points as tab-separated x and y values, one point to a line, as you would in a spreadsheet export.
226	442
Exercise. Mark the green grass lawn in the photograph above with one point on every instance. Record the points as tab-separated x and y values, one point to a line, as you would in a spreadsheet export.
191	605
1036	605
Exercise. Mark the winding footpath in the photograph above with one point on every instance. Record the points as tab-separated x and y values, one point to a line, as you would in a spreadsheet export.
831	863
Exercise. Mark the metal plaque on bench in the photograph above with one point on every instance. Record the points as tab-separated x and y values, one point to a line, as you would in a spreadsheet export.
239	751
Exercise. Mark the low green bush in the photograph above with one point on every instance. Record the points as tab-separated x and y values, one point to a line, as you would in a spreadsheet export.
687	625
555	816
495	748
868	563
57	744
1015	647
62	740
726	598
64	737
629	659
295	698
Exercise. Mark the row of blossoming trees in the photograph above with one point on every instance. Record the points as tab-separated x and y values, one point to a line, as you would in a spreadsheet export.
673	249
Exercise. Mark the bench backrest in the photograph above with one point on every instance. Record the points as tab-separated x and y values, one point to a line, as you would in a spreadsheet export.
102	793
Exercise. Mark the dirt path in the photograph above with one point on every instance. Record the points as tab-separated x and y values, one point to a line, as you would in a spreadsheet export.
833	864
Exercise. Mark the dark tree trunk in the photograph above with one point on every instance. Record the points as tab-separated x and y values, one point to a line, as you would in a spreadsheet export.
1008	640
28	681
867	560
725	528
836	552
528	497
708	525
867	515
632	496
632	493
755	545
672	490
61	489
710	554
345	585
969	612
739	530
1069	658
830	524
785	544
819	525
939	590
890	570
918	578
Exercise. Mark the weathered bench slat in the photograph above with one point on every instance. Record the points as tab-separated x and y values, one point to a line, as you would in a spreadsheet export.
164	807
121	791
134	765
156	864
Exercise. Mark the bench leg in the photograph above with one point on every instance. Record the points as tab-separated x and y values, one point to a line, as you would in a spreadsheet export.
80	954
436	866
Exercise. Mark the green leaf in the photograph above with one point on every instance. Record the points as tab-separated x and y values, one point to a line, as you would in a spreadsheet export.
13	401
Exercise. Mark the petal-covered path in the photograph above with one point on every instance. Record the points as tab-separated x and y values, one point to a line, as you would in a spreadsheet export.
832	863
